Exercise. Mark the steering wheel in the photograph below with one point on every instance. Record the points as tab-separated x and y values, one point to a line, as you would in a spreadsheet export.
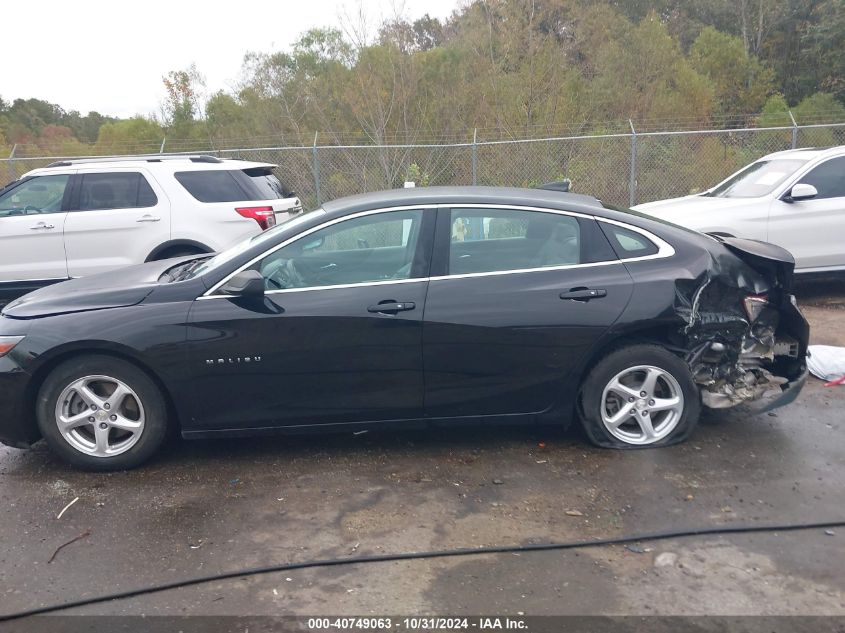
29	208
286	276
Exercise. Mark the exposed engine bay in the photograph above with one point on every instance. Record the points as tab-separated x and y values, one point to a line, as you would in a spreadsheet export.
742	326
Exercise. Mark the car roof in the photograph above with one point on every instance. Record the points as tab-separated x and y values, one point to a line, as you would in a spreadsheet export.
154	162
808	153
428	196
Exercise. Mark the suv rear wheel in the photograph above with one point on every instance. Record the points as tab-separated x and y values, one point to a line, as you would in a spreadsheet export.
101	413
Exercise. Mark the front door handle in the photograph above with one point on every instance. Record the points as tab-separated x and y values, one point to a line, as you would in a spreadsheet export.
148	218
392	307
42	226
583	294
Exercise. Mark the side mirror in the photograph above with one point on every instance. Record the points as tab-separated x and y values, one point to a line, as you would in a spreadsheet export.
247	283
801	191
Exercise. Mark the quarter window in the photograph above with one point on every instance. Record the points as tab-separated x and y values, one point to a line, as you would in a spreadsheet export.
627	243
42	194
828	178
489	240
124	190
371	248
213	186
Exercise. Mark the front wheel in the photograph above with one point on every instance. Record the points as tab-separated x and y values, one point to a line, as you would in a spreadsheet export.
101	413
639	396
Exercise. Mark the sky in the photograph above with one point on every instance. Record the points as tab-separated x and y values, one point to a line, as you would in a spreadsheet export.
110	56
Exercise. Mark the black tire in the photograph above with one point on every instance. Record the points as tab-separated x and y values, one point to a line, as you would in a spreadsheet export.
593	387
147	392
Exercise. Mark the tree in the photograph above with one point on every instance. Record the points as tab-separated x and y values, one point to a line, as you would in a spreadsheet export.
182	107
741	83
824	43
137	134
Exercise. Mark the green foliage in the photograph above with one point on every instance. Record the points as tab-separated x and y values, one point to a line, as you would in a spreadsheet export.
775	112
137	133
416	175
510	68
819	107
740	81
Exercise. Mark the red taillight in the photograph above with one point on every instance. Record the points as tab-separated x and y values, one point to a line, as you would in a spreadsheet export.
754	305
265	216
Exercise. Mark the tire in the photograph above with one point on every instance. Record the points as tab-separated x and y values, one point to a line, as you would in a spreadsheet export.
613	389
135	418
177	252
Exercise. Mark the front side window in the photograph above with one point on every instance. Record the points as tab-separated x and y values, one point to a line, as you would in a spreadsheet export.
371	248
489	240
828	178
758	179
123	190
42	194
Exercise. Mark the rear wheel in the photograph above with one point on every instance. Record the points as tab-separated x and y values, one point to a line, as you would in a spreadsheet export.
639	396
177	251
101	413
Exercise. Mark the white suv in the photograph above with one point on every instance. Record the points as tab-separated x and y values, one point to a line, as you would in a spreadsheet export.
78	217
795	199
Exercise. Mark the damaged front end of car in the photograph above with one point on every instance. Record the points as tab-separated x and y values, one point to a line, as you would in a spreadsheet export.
745	338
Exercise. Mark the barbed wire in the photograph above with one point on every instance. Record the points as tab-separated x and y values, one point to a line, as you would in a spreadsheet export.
480	134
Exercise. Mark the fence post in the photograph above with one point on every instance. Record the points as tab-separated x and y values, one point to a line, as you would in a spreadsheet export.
316	167
13	173
794	130
632	183
475	156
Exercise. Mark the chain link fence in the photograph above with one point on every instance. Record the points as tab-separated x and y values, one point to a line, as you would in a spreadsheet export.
621	169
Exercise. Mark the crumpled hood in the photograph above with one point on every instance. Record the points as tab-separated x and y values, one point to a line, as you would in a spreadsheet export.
676	208
115	289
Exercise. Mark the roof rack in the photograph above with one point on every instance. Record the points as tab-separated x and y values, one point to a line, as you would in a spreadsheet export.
195	158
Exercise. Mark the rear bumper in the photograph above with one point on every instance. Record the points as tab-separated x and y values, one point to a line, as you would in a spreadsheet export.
789	392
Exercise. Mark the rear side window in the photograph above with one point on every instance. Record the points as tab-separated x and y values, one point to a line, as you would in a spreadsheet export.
627	243
489	240
124	190
214	186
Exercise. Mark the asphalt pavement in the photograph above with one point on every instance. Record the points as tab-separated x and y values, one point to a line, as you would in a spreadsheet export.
214	506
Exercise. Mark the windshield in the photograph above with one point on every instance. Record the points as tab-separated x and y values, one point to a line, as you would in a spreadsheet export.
758	179
240	248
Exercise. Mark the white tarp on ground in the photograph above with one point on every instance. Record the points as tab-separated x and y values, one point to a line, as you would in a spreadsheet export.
826	362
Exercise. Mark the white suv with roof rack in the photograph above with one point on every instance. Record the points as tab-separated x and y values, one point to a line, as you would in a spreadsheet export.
78	217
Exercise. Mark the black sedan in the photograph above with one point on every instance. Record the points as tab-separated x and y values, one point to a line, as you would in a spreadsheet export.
424	306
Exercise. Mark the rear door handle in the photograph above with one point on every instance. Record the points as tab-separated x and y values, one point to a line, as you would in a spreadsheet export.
148	218
392	307
41	226
583	294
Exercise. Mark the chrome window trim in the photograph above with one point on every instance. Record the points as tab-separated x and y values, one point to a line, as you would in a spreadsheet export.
664	249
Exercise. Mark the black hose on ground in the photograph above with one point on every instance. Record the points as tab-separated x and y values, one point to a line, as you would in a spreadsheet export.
384	558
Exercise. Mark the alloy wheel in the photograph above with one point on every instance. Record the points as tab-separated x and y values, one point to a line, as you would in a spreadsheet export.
642	405
100	416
